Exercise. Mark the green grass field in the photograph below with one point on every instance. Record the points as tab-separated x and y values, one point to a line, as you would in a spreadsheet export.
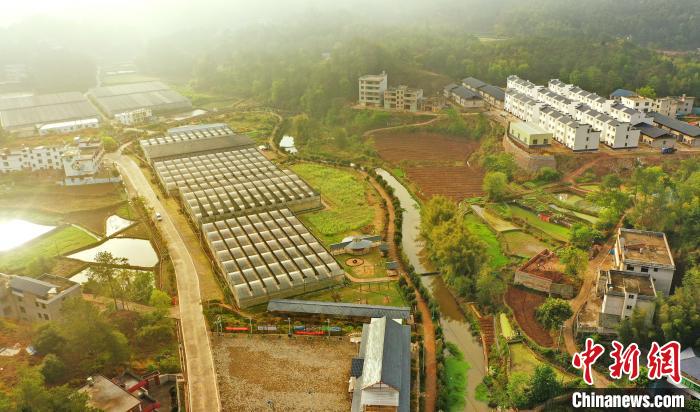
345	194
371	294
506	329
524	360
522	244
555	231
53	244
374	258
497	258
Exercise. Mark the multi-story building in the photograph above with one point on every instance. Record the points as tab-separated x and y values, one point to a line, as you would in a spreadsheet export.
31	158
639	103
522	106
372	87
674	106
567	131
625	114
402	98
576	93
80	161
613	133
134	117
623	292
33	299
645	253
523	86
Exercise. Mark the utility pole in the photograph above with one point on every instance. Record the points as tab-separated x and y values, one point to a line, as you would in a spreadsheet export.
250	325
329	328
289	326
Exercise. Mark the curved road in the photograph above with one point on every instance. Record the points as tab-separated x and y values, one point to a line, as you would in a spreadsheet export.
203	392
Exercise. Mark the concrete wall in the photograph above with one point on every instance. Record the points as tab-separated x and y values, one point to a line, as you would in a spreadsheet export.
542	284
525	160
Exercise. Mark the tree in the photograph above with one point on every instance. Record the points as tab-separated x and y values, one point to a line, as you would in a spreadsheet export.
48	339
548	174
31	395
583	236
139	285
679	314
500	162
104	273
159	299
553	312
53	368
517	390
490	288
575	261
459	254
495	186
646	91
544	385
109	143
635	329
437	210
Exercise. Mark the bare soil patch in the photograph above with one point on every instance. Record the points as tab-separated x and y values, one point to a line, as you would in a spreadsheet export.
294	374
436	163
524	303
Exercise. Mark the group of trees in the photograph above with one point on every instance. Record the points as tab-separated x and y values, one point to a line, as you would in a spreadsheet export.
111	278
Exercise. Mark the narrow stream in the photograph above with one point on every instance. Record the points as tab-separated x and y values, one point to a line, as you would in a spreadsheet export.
455	326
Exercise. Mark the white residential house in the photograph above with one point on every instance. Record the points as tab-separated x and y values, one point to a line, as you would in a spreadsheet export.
613	133
69	126
372	87
646	253
567	131
624	292
134	117
31	159
638	103
402	98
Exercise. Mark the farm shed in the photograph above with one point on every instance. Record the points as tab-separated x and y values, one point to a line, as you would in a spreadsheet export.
147	95
337	309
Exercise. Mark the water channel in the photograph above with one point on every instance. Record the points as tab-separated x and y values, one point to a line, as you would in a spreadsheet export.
455	326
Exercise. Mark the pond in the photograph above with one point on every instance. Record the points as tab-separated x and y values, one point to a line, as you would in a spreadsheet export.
84	275
16	232
115	224
138	252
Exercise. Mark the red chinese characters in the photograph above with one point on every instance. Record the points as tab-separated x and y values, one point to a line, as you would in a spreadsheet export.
586	358
625	361
664	361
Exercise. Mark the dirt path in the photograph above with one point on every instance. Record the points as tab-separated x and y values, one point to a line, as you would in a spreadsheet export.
381	129
428	327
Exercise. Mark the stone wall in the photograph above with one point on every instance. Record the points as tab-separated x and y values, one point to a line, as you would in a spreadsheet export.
525	160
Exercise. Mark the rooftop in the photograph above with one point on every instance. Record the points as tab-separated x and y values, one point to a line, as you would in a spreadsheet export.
338	309
465	93
44	286
473	82
106	395
494	91
645	247
690	363
683	127
546	265
652	131
194	139
47	108
622	93
623	282
127	97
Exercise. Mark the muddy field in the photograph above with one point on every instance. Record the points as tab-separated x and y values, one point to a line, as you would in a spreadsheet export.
436	163
293	374
524	304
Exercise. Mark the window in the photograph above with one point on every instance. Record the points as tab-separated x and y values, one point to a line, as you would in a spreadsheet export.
630	267
630	296
39	315
629	307
645	269
46	316
43	305
656	269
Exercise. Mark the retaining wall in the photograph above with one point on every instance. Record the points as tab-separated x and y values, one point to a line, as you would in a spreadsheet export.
525	160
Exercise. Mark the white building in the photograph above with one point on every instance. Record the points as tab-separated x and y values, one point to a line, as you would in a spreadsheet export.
134	117
372	87
639	103
673	106
624	292
68	127
80	161
568	131
402	98
613	133
646	253
551	112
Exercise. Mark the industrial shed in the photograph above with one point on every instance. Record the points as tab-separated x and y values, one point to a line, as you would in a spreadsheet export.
337	309
26	114
148	95
269	255
189	140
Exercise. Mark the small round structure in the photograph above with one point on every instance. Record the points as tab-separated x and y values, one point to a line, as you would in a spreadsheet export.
354	262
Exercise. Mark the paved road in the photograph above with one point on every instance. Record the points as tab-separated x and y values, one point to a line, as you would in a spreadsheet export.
201	376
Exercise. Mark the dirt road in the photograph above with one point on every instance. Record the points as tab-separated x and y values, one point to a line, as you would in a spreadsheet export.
203	393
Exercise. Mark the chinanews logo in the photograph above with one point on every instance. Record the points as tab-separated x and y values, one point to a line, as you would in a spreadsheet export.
661	361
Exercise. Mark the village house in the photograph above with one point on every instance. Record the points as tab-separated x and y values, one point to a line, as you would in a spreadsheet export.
32	299
372	87
645	253
403	98
684	132
623	292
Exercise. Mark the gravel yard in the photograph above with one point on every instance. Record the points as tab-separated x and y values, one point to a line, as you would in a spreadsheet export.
294	374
